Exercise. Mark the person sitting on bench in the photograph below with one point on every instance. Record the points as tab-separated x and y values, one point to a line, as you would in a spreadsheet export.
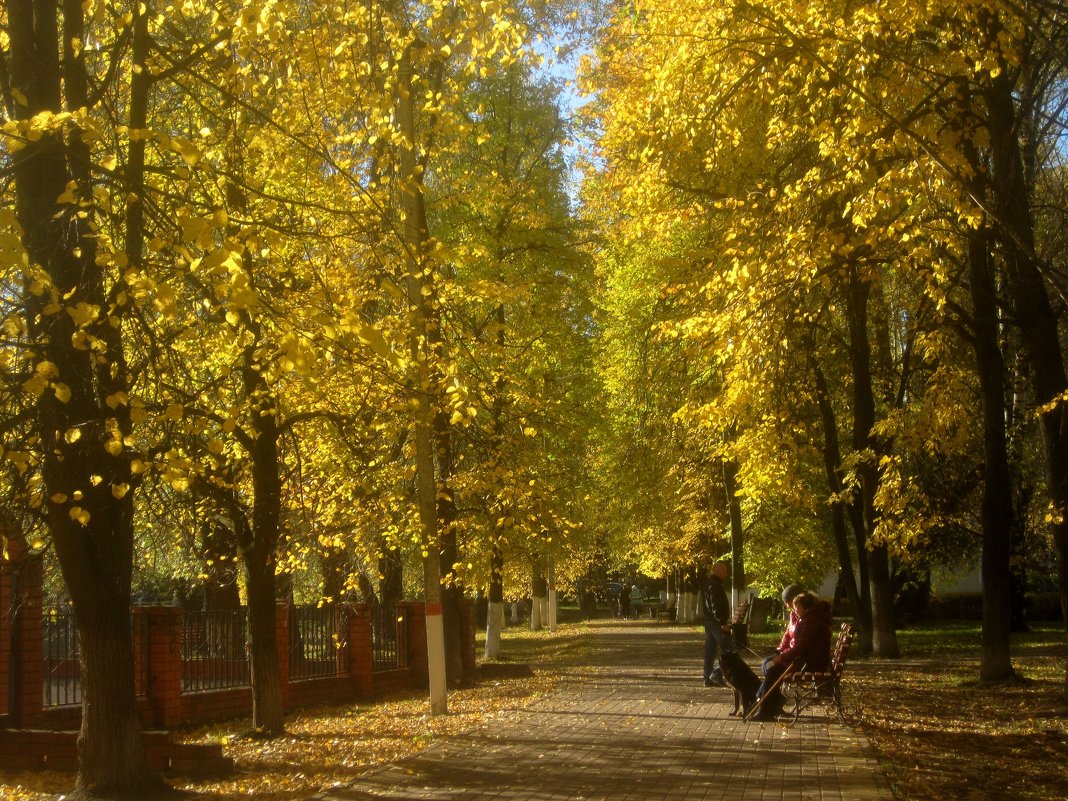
811	651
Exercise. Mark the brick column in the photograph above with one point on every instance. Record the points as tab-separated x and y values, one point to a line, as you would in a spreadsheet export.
7	600
26	661
361	665
416	639
164	664
281	633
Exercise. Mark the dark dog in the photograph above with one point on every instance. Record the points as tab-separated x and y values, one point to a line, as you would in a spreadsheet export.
741	679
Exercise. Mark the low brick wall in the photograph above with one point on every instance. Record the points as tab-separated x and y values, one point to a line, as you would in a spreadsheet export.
30	749
35	736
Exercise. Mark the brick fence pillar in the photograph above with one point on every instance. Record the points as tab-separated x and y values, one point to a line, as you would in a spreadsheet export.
7	609
282	642
26	661
361	663
416	639
164	654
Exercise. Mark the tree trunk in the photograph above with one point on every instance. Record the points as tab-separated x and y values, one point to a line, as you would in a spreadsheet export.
92	528
267	707
734	513
415	239
1033	311
496	600
391	586
496	584
111	756
832	465
997	515
539	591
884	636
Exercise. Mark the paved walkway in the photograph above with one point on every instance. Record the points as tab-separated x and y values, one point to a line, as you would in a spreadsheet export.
635	725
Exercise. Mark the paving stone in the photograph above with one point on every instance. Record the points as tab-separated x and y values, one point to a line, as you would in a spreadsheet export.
635	725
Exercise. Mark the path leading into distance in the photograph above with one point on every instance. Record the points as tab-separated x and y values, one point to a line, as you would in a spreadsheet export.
635	725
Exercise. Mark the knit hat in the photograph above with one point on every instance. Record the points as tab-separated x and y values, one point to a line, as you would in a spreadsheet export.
791	591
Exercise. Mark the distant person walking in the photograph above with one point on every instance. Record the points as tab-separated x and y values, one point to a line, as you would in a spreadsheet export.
635	601
717	613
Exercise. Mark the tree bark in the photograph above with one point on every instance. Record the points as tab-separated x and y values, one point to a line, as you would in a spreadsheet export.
884	636
92	528
1033	312
734	513
832	464
415	240
538	599
997	513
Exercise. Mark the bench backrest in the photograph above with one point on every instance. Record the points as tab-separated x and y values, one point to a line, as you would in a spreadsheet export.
841	648
741	613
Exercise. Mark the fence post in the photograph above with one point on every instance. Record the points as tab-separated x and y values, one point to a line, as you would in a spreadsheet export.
417	654
361	666
164	655
25	635
281	629
7	609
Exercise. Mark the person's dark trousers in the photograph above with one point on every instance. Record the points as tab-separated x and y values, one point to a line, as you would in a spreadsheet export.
766	663
773	705
716	640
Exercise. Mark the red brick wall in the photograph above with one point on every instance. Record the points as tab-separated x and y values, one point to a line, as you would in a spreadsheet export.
164	705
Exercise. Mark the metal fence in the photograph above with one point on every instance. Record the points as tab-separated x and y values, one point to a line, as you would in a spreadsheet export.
62	671
314	642
62	658
389	637
213	650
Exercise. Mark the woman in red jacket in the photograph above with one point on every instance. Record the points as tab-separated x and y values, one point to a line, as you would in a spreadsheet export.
811	650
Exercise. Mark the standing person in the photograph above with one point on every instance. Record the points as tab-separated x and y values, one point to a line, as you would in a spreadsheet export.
811	651
717	622
787	641
635	600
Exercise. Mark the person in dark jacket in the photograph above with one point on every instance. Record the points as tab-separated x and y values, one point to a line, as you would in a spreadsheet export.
717	615
811	651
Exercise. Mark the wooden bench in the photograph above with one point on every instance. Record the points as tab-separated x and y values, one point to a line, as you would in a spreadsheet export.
807	688
662	614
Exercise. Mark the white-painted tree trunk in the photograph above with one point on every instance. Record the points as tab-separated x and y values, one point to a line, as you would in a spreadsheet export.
536	609
494	625
435	646
687	607
515	613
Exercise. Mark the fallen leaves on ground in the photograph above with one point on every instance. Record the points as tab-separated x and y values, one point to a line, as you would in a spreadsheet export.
330	746
942	736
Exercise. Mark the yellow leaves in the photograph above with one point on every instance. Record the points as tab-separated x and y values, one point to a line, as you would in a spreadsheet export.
83	313
79	515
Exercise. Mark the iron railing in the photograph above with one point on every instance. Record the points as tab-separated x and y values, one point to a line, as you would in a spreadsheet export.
62	658
389	637
62	669
214	655
314	642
